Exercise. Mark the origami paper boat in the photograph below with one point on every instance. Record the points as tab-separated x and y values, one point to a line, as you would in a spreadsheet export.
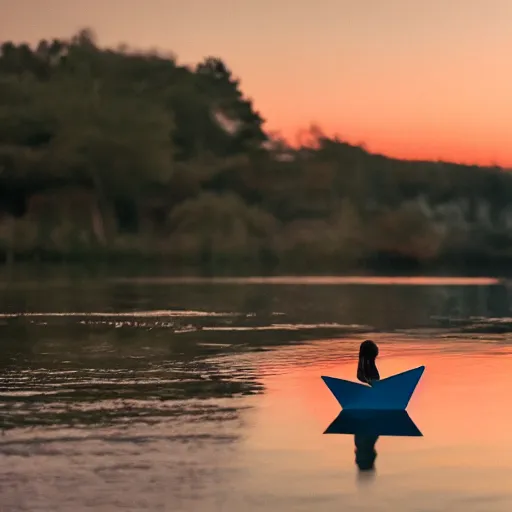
390	394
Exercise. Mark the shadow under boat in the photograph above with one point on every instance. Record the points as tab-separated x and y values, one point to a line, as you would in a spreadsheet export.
374	423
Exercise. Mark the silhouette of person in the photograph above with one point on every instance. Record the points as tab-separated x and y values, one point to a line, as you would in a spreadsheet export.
366	368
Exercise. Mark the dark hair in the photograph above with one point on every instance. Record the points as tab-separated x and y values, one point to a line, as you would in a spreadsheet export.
368	349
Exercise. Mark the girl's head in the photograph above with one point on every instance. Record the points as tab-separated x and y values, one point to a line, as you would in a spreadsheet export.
368	349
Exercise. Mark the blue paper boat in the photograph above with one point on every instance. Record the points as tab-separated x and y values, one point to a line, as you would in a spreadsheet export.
390	394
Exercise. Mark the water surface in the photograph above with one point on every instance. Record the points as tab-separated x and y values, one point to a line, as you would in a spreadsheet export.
205	395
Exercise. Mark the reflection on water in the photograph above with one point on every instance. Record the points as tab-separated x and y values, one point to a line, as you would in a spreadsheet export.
191	396
365	451
367	427
374	423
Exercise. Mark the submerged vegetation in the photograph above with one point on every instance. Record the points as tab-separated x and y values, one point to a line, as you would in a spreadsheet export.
116	154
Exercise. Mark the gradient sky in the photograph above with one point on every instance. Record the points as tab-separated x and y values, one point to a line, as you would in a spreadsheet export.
409	78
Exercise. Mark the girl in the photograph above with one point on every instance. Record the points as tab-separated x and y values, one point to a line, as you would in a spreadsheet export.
367	369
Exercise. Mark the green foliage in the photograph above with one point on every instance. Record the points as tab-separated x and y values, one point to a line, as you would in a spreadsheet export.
155	159
215	227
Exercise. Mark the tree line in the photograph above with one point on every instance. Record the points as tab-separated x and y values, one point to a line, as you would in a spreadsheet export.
113	153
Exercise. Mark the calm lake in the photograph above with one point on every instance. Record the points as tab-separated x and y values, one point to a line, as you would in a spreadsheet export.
168	394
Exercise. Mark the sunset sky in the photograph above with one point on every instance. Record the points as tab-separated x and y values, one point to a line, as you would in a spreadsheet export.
409	78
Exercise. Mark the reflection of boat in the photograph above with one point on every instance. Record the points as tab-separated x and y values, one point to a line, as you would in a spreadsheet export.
367	426
374	423
392	393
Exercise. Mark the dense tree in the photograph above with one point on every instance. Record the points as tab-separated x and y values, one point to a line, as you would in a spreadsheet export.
175	163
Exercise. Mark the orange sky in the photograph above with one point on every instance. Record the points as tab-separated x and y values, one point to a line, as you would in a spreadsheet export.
411	78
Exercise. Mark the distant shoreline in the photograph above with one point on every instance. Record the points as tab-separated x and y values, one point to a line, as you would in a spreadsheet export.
118	266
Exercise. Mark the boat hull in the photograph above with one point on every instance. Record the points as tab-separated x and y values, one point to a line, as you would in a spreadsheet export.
390	394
